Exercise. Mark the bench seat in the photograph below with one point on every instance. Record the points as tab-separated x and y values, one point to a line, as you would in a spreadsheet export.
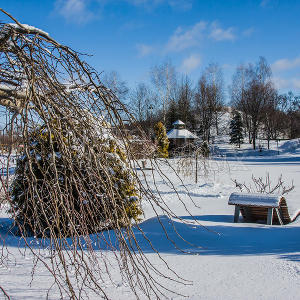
255	207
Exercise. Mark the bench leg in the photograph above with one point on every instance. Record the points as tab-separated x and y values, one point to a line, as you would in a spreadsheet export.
270	216
248	214
236	214
278	216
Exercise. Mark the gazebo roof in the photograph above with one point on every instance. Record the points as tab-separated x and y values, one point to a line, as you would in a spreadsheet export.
178	122
180	134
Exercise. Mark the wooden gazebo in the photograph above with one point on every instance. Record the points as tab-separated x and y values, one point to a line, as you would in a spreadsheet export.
179	136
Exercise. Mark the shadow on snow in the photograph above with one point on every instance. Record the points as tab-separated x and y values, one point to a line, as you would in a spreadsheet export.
214	239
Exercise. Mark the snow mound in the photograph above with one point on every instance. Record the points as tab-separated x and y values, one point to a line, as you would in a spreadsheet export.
291	146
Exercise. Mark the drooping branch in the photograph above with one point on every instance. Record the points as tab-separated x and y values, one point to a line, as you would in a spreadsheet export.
77	190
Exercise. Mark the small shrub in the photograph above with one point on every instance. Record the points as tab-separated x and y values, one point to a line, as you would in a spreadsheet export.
265	186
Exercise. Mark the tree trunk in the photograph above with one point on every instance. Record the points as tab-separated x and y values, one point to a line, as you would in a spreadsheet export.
217	124
254	139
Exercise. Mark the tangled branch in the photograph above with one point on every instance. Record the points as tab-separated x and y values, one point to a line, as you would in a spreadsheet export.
76	177
265	186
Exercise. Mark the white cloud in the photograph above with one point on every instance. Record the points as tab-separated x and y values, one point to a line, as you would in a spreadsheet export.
287	83
219	34
144	2
144	50
248	32
281	83
190	63
296	83
183	39
80	11
181	4
75	10
176	4
285	64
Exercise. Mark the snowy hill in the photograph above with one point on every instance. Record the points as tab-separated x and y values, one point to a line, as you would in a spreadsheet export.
291	146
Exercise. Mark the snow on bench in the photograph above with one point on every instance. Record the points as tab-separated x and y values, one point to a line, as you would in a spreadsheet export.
254	199
260	207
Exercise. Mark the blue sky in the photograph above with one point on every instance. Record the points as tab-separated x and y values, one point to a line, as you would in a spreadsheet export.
131	36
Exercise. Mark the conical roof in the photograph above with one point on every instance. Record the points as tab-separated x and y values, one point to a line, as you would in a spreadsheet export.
178	122
179	132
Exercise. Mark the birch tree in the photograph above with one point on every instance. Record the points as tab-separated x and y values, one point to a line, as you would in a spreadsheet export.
164	79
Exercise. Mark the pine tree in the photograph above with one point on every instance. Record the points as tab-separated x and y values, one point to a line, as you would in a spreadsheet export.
172	113
161	140
236	130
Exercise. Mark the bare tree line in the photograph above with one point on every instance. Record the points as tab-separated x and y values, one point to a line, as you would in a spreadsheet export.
254	94
169	96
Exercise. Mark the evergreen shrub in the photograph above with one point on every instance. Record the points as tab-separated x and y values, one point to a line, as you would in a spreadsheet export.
106	197
161	140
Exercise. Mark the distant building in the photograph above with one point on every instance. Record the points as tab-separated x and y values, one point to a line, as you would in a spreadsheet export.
179	136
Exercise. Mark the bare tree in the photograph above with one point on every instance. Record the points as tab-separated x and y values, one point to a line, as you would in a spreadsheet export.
194	162
254	99
185	99
73	134
141	102
113	81
143	105
209	99
180	104
164	79
291	107
203	109
275	121
215	79
237	90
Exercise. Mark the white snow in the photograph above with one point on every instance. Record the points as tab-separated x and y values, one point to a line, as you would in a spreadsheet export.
7	87
30	28
292	146
180	134
178	122
254	199
224	260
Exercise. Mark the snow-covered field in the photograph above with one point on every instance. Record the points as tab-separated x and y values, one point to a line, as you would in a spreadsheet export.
225	260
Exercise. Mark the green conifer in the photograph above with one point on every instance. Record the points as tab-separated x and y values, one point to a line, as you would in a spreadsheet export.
161	140
236	130
90	200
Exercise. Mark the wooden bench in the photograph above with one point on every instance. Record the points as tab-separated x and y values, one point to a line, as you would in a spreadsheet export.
261	207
